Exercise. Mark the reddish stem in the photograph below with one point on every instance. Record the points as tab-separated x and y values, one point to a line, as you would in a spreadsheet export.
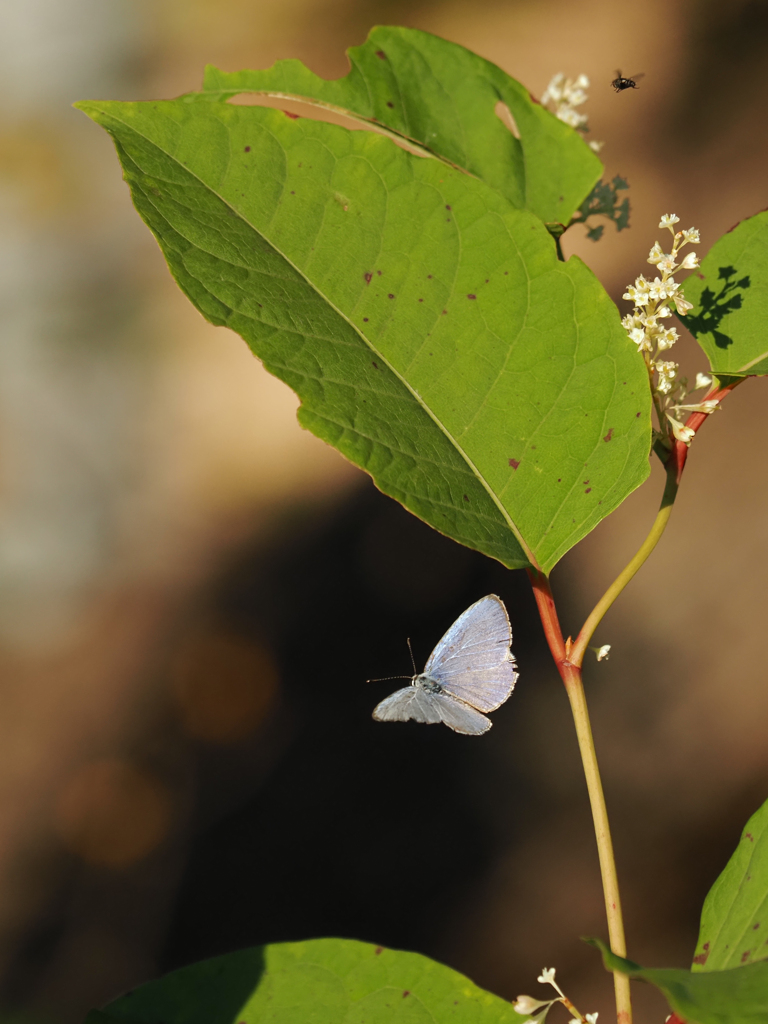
679	453
548	615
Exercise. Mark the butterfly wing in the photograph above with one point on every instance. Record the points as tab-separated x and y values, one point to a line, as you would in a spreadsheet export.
473	661
416	704
409	703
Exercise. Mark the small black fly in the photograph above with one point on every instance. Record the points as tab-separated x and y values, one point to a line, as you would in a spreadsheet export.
620	83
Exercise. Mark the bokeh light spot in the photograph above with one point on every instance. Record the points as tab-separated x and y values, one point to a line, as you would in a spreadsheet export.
111	813
224	686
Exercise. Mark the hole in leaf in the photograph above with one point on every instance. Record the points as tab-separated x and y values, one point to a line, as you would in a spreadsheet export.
296	107
504	114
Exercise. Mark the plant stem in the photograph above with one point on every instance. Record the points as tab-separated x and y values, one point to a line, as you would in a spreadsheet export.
674	465
571	676
568	658
626	574
578	701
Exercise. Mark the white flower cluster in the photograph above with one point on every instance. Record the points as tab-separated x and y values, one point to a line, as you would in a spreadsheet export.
563	95
538	1009
645	326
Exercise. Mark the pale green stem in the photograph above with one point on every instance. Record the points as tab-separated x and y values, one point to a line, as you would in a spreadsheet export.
575	690
576	653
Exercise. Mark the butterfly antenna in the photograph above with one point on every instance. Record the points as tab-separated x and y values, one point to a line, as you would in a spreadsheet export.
413	660
383	679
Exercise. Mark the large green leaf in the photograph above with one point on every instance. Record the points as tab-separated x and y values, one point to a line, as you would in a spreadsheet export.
730	297
444	97
324	981
428	327
738	996
734	920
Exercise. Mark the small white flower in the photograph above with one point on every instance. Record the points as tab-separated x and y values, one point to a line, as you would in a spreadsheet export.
682	304
666	339
571	116
707	407
668	220
656	253
637	292
574	96
582	82
604	652
681	432
547	976
703	380
667	372
529	1005
692	235
595	146
638	335
592	1018
690	262
666	264
554	91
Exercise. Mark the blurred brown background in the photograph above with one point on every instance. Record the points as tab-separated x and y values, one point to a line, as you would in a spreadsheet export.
192	589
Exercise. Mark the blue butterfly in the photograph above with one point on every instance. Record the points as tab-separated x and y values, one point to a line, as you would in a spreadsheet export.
471	670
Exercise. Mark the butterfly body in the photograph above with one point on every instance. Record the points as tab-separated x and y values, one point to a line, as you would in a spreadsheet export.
470	671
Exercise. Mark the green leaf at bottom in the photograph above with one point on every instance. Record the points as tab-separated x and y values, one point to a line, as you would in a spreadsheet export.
322	981
739	996
734	920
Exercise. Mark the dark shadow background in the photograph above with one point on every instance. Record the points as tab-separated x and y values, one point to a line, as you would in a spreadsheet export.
193	591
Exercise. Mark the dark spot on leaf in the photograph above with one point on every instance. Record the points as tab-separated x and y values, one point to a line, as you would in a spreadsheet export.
447	220
755	926
637	415
700	275
749	836
406	993
487	280
293	117
514	463
374	365
390	296
293	193
421	300
466	498
365	319
559	479
444	313
367	278
745	955
609	435
447	207
506	272
391	105
299	165
247	149
702	957
381	55
378	272
378	950
429	277
588	490
585	482
471	296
